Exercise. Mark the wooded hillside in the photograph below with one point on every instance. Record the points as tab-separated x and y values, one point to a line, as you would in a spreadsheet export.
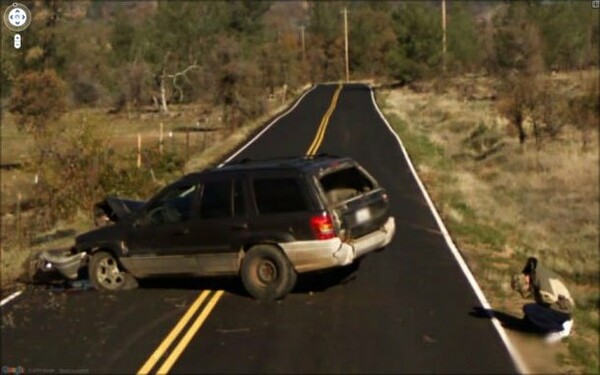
129	54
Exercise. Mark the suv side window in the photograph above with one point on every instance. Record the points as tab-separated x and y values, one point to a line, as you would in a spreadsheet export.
216	200
278	195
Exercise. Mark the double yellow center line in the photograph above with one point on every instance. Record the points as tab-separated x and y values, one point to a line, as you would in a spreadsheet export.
159	353
316	143
195	309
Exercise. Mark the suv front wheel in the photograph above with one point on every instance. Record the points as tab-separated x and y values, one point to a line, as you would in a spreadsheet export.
267	273
106	274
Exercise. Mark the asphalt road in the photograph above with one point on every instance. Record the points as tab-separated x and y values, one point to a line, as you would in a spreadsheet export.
406	309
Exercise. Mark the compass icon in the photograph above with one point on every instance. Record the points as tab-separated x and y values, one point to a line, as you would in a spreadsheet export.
17	17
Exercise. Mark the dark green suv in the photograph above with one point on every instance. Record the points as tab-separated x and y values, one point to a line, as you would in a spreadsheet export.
264	220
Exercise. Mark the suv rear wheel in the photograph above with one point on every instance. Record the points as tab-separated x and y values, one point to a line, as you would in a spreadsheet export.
267	273
107	275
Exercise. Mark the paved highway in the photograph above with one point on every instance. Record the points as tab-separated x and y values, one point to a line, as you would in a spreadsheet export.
405	309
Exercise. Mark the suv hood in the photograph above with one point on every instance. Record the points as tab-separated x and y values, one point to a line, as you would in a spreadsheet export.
113	209
102	235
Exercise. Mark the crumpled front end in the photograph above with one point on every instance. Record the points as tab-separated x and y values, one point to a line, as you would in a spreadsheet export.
63	261
113	209
68	262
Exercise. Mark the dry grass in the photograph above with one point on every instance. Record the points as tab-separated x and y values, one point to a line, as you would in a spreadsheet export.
514	203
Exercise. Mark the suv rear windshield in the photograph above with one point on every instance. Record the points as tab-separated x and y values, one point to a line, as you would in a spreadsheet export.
278	195
345	184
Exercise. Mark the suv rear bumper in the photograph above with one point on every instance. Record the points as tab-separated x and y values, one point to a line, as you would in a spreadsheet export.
320	254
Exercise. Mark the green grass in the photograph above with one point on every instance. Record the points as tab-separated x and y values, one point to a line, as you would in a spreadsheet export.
421	150
478	233
584	353
424	152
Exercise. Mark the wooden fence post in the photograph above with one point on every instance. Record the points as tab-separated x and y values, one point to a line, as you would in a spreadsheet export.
187	145
19	224
160	144
139	153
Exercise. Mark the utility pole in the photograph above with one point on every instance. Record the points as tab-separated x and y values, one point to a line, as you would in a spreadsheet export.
444	35
346	43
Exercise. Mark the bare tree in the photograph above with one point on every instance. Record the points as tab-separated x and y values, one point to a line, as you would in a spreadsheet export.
161	80
182	74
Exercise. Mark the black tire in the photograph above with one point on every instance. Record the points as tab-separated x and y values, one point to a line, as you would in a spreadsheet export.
106	274
267	274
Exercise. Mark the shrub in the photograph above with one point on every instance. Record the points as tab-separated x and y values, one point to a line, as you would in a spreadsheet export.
77	169
37	99
84	92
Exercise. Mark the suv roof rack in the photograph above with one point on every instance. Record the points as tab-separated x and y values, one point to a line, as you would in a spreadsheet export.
282	158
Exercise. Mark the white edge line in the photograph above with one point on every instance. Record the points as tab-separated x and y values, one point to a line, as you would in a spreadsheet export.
267	127
10	298
516	357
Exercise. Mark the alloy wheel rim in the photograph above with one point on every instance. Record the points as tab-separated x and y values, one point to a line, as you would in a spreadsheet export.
109	274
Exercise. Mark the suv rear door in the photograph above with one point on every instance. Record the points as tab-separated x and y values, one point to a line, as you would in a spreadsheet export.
360	205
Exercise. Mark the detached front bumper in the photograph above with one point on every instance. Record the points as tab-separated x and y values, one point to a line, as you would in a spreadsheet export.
65	263
321	254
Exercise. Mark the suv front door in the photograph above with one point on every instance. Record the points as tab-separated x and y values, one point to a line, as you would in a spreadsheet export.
159	241
219	224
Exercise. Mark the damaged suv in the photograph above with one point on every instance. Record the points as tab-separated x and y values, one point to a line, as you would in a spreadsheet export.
265	221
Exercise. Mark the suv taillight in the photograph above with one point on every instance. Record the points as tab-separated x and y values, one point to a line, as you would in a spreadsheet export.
322	226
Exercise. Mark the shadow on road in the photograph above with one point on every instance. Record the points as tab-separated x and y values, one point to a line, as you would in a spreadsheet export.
309	282
323	280
508	321
229	284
